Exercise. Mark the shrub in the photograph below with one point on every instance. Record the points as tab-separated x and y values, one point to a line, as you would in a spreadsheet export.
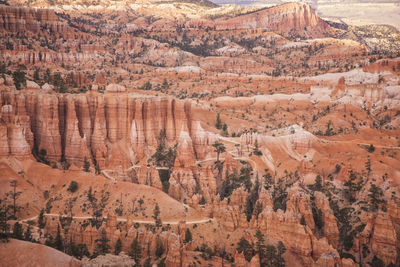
73	186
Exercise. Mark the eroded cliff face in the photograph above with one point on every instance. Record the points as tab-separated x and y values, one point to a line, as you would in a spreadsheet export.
111	129
20	19
291	18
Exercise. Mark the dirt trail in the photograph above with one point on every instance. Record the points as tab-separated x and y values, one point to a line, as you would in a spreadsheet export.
124	219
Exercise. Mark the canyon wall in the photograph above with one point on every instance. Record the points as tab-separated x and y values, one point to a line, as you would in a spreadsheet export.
297	18
20	19
110	129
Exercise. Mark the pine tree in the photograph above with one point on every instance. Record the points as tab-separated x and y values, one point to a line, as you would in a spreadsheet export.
58	242
159	248
118	247
97	169
375	194
245	247
147	263
156	216
86	164
317	186
202	201
260	247
280	261
41	221
28	233
219	148
188	236
353	185
17	231
102	246
14	196
218	123
36	77
136	251
4	226
268	182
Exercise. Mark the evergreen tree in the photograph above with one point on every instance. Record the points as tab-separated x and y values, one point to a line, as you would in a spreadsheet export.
218	122
353	185
159	248
280	261
252	199
14	196
245	247
156	216
368	166
136	251
102	246
147	263
317	186
224	131
268	182
28	233
47	76
258	209
371	148
188	236
41	221
4	215
17	231
118	247
97	169
202	201
375	195
36	76
58	242
79	251
219	148
86	164
161	263
256	150
260	247
165	84
270	254
19	79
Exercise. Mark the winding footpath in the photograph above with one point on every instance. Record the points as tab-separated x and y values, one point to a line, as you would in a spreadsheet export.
124	219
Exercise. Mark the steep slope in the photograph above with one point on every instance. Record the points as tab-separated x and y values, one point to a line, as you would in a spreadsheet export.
114	129
21	253
288	19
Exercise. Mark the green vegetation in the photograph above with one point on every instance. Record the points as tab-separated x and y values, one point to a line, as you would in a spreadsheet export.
279	195
86	165
256	150
156	216
246	248
118	247
4	226
164	157
136	250
159	248
97	207
73	186
234	180
41	220
19	79
218	122
270	255
219	148
188	236
353	186
375	195
102	247
251	199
